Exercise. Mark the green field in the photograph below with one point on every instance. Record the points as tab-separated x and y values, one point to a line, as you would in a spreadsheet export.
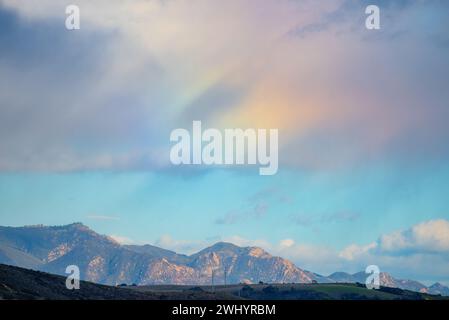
334	291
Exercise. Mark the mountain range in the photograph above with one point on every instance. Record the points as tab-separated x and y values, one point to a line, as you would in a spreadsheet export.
103	260
23	284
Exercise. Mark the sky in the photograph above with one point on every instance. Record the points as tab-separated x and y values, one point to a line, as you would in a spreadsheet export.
363	178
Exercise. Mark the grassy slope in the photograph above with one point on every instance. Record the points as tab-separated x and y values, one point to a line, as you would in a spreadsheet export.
338	291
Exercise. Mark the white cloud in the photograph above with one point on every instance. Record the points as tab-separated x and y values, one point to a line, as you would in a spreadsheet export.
420	252
121	239
316	258
287	243
430	236
181	246
353	251
243	242
146	95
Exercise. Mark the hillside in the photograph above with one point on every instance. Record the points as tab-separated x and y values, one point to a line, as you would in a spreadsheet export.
18	283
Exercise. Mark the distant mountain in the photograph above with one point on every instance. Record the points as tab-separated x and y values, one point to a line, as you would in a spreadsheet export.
386	280
438	288
343	277
102	260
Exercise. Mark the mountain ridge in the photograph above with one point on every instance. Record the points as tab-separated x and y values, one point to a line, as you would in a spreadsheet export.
103	260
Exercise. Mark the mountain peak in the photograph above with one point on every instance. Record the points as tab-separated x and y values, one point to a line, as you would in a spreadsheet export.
72	226
220	246
436	284
438	288
77	225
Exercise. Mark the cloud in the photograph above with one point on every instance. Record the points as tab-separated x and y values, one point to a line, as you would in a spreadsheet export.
129	62
254	207
264	194
256	211
353	251
315	258
317	219
231	217
287	243
427	237
60	125
420	252
244	242
122	240
180	246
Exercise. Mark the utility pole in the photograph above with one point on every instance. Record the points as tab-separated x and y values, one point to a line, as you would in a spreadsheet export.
213	275
225	273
